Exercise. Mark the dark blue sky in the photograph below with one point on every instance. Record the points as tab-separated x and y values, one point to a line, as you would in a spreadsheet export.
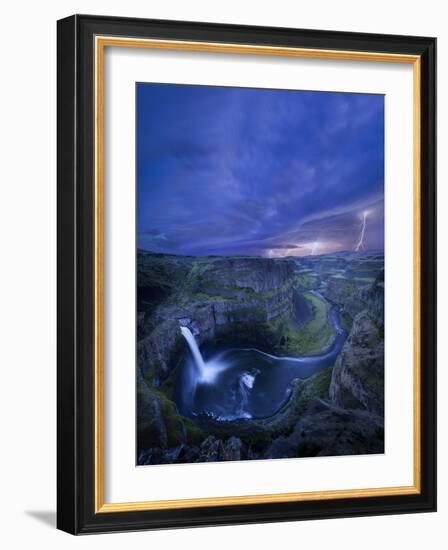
257	172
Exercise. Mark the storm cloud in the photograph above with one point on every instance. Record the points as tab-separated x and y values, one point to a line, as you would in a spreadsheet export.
257	172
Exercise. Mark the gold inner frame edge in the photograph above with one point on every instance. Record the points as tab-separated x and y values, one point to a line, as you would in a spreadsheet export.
100	43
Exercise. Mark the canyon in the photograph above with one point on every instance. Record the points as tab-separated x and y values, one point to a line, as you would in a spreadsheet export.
284	308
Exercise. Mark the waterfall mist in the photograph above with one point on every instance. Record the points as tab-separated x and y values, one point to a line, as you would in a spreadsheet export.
235	383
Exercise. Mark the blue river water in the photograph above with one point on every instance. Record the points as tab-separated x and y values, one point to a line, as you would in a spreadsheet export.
238	383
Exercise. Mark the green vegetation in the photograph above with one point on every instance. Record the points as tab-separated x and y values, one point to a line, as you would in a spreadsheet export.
258	433
160	272
195	435
169	383
314	386
346	321
320	383
312	335
149	375
177	425
345	290
306	280
173	421
303	392
246	302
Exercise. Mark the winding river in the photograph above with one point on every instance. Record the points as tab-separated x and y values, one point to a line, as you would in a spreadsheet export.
237	383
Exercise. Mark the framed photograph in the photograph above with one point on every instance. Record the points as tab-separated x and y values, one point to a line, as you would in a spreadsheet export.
246	274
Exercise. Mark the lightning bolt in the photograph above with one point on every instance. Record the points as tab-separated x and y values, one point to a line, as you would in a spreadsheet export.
363	232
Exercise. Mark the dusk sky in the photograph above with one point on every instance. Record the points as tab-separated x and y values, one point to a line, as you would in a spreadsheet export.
240	171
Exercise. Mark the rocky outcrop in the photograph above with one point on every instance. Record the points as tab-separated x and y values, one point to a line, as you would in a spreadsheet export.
212	449
372	299
334	412
158	422
253	274
358	376
216	298
233	449
344	293
309	424
326	430
150	424
157	350
355	297
302	309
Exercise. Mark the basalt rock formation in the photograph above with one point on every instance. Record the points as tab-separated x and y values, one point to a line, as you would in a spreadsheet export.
233	298
337	411
358	376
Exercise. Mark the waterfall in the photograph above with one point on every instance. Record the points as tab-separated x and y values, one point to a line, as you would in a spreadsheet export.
198	359
204	372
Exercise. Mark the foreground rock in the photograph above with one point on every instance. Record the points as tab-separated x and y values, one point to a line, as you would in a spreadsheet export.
151	425
326	430
309	424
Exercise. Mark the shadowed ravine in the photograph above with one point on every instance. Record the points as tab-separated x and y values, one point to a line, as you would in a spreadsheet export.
237	383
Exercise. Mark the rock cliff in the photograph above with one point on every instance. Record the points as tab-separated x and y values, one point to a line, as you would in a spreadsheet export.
337	411
218	298
358	376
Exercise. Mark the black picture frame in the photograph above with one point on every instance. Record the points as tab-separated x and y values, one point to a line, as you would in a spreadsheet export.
76	512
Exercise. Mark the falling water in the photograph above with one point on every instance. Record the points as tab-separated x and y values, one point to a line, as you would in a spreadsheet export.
197	356
237	383
206	372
